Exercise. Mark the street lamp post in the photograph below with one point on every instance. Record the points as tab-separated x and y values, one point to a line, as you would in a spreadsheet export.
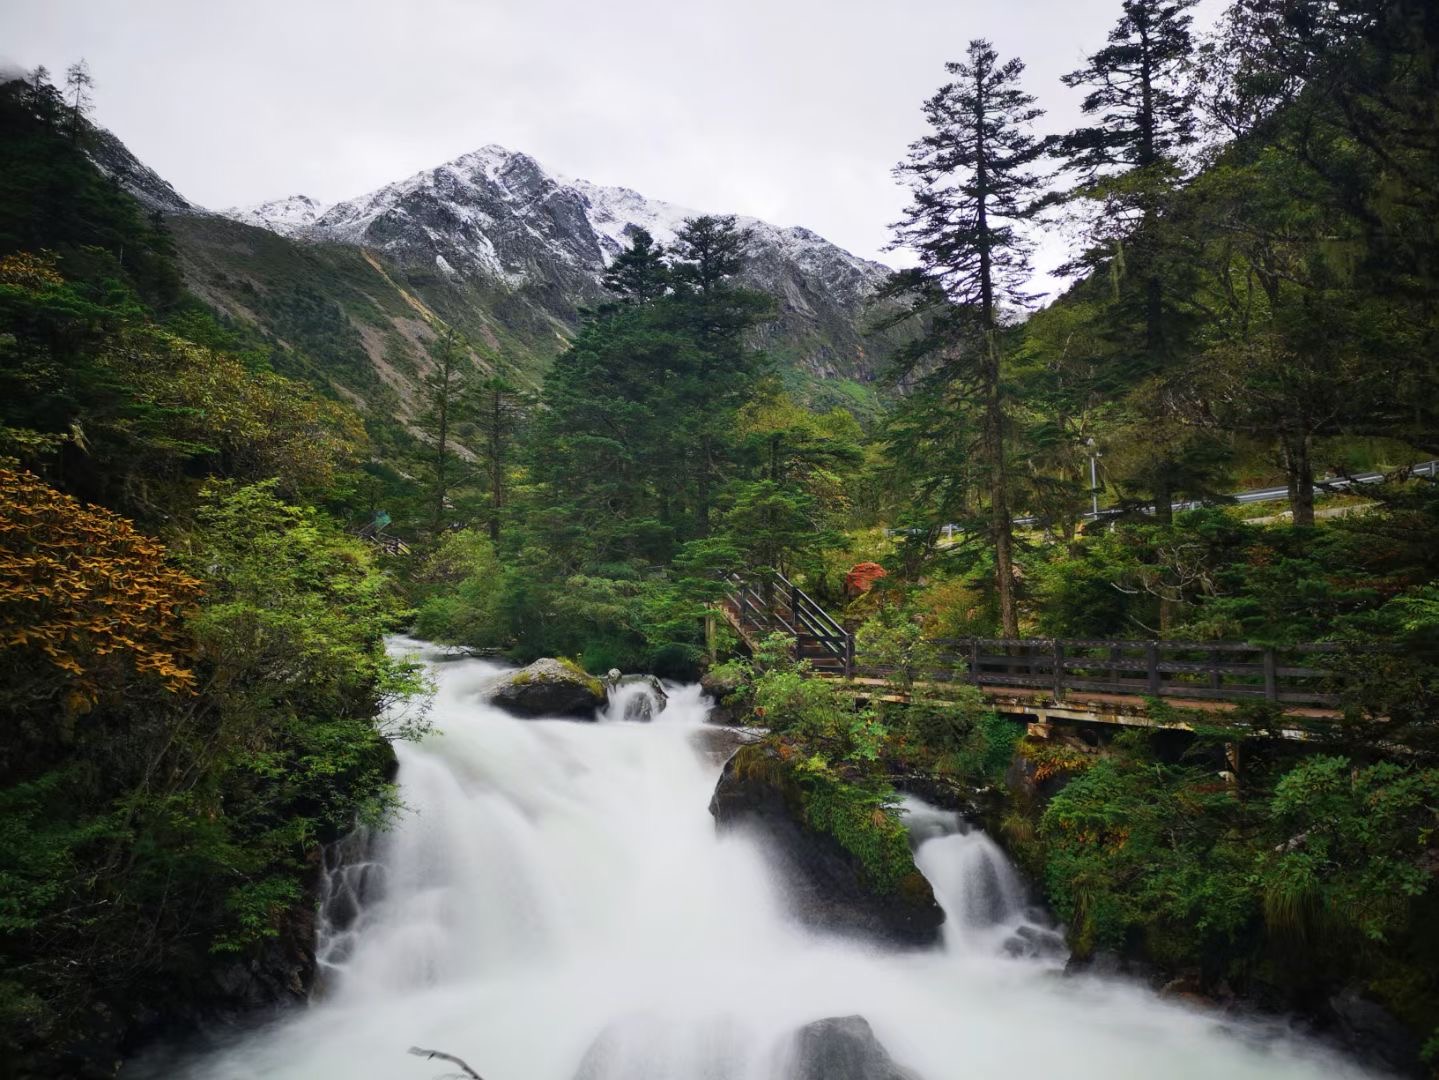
1093	476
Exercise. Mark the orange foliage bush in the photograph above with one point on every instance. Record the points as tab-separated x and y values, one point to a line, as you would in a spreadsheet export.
862	577
30	271
83	592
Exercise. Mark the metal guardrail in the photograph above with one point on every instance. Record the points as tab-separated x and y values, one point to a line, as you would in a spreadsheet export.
1270	494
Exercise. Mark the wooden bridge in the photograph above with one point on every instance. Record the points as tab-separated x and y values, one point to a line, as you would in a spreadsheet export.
1065	679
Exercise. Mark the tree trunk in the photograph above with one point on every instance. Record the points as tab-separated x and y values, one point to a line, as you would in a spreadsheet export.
702	493
999	495
1299	477
1167	611
441	454
1163	496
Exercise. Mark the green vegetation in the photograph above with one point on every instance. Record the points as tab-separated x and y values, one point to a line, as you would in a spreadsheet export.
196	695
192	629
1311	877
838	759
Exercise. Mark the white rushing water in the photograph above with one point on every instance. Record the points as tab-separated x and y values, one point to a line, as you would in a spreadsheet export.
552	880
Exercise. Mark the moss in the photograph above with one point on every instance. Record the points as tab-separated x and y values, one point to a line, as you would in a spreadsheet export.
913	888
865	825
591	683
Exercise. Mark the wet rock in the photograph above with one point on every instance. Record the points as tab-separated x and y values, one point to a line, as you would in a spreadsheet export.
1190	990
720	686
550	687
826	885
1374	1034
718	744
640	705
840	1048
1032	942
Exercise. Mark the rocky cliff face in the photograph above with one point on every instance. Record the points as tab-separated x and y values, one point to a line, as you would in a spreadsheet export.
499	246
499	217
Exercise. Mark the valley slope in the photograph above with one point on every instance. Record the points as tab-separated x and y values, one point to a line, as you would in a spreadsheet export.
502	249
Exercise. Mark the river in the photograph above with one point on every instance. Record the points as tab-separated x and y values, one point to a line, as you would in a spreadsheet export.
553	880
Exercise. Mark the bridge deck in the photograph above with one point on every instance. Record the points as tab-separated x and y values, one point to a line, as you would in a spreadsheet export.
1075	680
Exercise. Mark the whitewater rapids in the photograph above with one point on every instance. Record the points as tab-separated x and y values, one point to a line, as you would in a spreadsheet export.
551	880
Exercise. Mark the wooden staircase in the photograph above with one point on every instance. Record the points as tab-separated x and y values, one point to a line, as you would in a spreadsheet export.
757	608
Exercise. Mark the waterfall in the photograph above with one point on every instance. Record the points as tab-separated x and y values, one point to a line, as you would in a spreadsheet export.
554	904
986	904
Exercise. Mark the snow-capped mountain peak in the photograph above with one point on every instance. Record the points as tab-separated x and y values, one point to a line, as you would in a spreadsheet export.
498	216
500	213
288	216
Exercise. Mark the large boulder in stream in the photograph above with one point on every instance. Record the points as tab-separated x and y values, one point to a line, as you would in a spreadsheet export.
840	1048
648	1047
550	687
826	885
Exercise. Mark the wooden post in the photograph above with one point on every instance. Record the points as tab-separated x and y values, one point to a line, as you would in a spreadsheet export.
794	604
1271	676
1058	670
1151	658
848	655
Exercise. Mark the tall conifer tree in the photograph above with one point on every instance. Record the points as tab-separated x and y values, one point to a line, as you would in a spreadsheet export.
444	386
974	184
1129	160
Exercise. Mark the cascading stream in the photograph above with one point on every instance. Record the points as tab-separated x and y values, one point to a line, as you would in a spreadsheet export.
556	893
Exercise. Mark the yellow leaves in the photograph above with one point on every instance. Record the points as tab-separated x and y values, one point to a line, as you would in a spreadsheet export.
30	270
81	590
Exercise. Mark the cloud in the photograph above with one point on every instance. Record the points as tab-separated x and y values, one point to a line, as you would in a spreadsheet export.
791	111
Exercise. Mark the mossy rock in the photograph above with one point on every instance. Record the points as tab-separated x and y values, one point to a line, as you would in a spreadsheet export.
828	884
551	687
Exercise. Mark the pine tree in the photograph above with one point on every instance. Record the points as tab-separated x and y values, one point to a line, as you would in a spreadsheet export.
444	387
78	85
42	97
498	408
1144	106
974	183
709	250
639	274
1129	161
719	372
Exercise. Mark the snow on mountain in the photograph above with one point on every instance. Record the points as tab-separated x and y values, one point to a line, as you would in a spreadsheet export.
496	217
615	212
113	158
498	213
288	216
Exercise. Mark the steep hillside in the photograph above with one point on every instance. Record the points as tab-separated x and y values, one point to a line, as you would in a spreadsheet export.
496	245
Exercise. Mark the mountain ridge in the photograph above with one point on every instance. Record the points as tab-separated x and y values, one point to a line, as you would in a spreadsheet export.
501	247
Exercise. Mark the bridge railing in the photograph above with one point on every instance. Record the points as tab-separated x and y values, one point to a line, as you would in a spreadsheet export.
1290	675
776	604
1223	671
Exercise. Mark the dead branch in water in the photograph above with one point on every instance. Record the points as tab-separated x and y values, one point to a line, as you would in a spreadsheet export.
421	1052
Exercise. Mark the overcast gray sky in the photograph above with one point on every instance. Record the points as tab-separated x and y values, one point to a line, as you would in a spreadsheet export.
790	110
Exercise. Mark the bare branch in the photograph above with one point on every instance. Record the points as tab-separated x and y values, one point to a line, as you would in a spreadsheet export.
430	1054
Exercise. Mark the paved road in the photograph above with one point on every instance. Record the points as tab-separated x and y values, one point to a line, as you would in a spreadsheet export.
1271	494
1331	483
